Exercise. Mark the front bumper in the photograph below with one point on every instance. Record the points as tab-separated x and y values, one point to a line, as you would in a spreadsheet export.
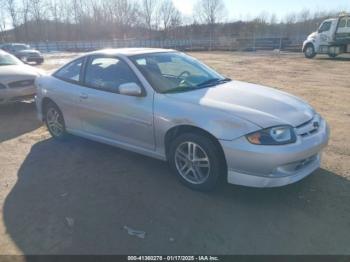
39	112
12	95
273	166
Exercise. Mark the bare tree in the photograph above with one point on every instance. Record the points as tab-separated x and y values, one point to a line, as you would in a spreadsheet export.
149	12
56	15
11	7
210	11
123	13
169	16
2	21
25	16
38	13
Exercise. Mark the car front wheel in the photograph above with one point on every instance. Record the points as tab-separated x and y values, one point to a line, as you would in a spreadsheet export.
197	161
310	51
54	121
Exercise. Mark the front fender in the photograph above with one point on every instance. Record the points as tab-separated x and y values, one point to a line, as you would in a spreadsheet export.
169	113
305	43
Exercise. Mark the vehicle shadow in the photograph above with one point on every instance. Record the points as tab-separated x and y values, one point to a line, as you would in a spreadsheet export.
17	119
75	197
337	59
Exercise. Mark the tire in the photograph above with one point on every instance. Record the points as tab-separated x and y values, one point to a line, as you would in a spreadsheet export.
55	122
200	175
332	55
309	51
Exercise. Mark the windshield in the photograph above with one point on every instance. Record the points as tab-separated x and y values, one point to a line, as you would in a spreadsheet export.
7	59
176	72
20	47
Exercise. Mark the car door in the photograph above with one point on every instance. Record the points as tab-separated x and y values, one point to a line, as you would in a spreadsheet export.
108	114
324	33
65	89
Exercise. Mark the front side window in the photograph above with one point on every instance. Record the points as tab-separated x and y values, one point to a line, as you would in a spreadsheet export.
20	47
71	72
108	73
325	27
176	72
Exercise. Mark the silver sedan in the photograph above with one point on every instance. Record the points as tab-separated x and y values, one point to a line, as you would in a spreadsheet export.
16	79
168	105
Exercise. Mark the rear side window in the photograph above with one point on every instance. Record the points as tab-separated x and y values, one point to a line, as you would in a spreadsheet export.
71	72
108	73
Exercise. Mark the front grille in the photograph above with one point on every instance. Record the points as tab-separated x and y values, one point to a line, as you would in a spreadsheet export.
23	83
309	127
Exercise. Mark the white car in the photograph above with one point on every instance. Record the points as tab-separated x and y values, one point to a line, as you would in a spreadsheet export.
16	79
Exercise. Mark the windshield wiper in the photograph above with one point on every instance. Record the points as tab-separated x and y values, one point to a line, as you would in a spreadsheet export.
207	83
213	81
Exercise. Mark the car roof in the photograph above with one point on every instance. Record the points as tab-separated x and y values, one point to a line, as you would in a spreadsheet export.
130	51
330	20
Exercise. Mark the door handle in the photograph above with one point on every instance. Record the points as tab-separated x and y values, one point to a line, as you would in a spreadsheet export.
84	96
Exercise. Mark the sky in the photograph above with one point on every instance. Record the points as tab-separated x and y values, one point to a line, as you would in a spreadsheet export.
248	9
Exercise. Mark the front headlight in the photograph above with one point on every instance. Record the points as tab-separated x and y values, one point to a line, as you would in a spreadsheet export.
278	135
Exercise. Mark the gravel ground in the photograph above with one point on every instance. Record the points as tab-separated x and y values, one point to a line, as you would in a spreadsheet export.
76	197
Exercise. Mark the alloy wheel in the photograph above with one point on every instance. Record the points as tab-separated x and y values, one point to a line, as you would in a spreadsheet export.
54	122
192	162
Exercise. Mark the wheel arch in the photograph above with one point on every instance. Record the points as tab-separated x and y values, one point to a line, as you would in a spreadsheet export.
175	131
307	44
44	102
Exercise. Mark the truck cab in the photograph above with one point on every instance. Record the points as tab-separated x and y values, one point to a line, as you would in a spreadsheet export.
331	38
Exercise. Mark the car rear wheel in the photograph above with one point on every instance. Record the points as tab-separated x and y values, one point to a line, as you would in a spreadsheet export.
54	121
196	161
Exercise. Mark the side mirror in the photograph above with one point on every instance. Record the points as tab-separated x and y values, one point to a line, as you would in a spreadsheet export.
130	89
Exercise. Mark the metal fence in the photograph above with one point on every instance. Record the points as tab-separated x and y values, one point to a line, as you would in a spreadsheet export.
232	44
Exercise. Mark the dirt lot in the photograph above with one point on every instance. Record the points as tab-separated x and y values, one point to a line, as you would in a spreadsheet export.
76	196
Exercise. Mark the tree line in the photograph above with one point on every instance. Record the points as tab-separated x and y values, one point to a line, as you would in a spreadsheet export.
58	20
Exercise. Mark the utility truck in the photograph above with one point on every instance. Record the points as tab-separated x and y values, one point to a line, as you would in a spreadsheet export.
331	38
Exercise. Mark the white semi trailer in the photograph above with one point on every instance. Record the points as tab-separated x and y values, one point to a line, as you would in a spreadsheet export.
332	38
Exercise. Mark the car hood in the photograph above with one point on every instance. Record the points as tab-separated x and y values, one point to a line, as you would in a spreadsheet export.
312	36
260	105
18	72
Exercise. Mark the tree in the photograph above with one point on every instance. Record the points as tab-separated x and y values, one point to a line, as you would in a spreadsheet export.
2	21
210	11
169	16
25	16
11	7
148	13
123	13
